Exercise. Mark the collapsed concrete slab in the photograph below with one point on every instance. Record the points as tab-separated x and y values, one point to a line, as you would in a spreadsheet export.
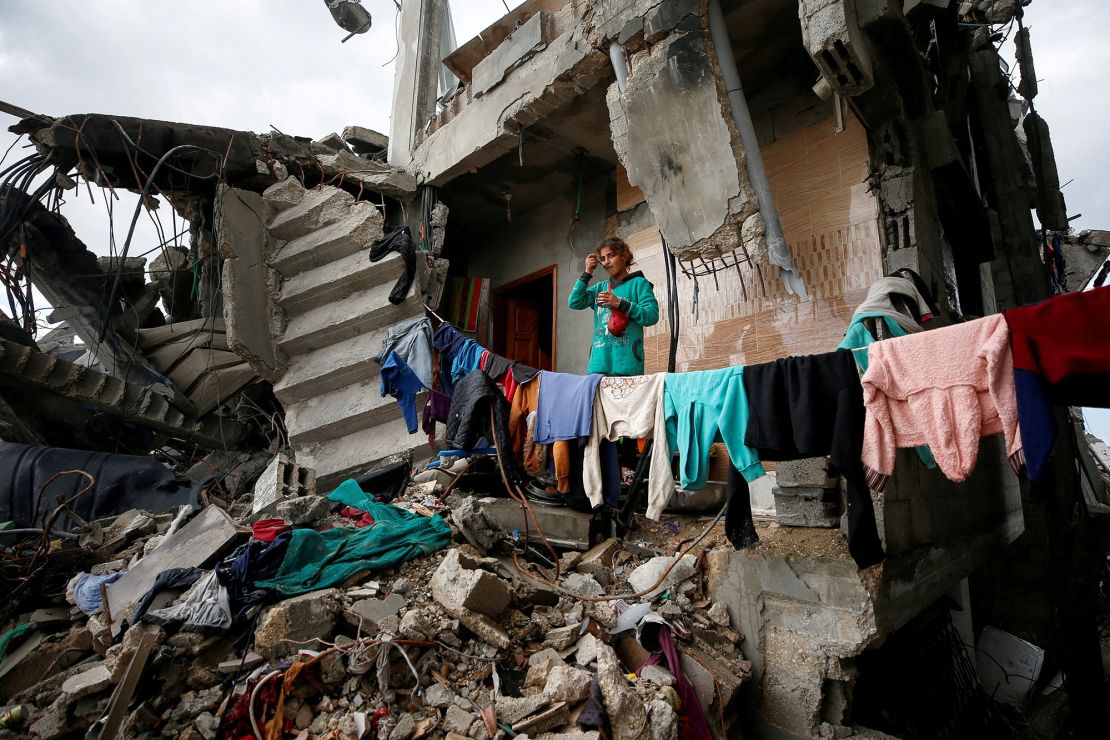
672	118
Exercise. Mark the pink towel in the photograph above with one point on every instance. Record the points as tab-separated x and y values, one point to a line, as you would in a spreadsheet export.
943	388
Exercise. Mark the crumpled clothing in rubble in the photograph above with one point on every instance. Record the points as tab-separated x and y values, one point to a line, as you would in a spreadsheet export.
83	590
170	578
206	609
252	562
317	560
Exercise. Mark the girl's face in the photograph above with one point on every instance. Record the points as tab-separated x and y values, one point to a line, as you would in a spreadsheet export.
615	264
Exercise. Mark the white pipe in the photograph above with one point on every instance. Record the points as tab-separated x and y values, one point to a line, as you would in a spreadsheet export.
757	174
620	64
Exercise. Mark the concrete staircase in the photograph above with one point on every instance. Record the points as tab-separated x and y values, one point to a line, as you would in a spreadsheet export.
337	312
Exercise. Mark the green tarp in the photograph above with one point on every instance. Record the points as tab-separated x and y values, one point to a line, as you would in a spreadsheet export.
317	560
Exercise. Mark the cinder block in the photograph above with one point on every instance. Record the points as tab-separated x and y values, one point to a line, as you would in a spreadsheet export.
807	507
282	479
813	472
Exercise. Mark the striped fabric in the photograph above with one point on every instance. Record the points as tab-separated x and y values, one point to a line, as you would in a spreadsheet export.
463	302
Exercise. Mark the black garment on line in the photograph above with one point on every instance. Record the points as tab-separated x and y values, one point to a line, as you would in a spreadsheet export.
812	406
523	373
399	240
739	527
469	417
497	366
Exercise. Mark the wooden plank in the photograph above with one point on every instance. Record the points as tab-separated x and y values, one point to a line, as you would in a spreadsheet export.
463	59
628	195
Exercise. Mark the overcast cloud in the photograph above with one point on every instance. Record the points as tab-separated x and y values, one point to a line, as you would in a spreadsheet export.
250	64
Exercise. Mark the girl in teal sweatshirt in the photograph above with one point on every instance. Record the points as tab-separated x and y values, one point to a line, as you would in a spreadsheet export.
630	293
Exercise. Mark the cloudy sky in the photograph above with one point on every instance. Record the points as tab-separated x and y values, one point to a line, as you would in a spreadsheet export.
250	64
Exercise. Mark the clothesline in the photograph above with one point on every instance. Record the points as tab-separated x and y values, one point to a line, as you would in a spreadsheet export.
943	389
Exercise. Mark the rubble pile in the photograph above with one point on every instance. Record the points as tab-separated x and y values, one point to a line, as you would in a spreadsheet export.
457	642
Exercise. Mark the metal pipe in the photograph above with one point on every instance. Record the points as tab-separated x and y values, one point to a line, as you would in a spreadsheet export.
757	174
620	64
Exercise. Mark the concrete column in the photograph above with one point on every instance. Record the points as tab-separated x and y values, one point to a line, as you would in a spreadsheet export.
416	75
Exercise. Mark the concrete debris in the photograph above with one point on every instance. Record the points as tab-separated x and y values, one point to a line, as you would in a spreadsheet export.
645	576
459	584
286	626
457	616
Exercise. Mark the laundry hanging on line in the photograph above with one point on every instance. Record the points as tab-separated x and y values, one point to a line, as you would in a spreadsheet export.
916	373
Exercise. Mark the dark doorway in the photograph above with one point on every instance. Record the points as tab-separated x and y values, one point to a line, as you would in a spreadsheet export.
524	319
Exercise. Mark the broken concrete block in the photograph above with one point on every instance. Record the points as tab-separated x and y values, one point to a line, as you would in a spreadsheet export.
562	638
282	479
664	720
598	560
379	178
483	626
373	611
568	684
586	649
458	720
332	141
303	510
812	472
119	656
54	721
50	620
834	40
513	709
91	681
539	667
807	507
459	584
714	675
657	675
650	572
297	622
555	716
718	612
195	545
364	140
583	584
251	661
123	530
563	526
626	710
285	194
438	695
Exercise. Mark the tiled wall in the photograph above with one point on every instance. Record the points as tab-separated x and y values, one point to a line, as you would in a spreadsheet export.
830	222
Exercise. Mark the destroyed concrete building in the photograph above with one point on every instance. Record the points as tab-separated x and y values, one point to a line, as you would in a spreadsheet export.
766	161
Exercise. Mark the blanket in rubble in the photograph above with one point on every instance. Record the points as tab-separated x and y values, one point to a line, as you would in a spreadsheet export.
317	560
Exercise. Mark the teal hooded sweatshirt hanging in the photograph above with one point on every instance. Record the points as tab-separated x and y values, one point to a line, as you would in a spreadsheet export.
317	560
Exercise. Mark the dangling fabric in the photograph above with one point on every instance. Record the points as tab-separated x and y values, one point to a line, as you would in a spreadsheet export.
629	407
945	388
812	406
1061	354
397	239
701	406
